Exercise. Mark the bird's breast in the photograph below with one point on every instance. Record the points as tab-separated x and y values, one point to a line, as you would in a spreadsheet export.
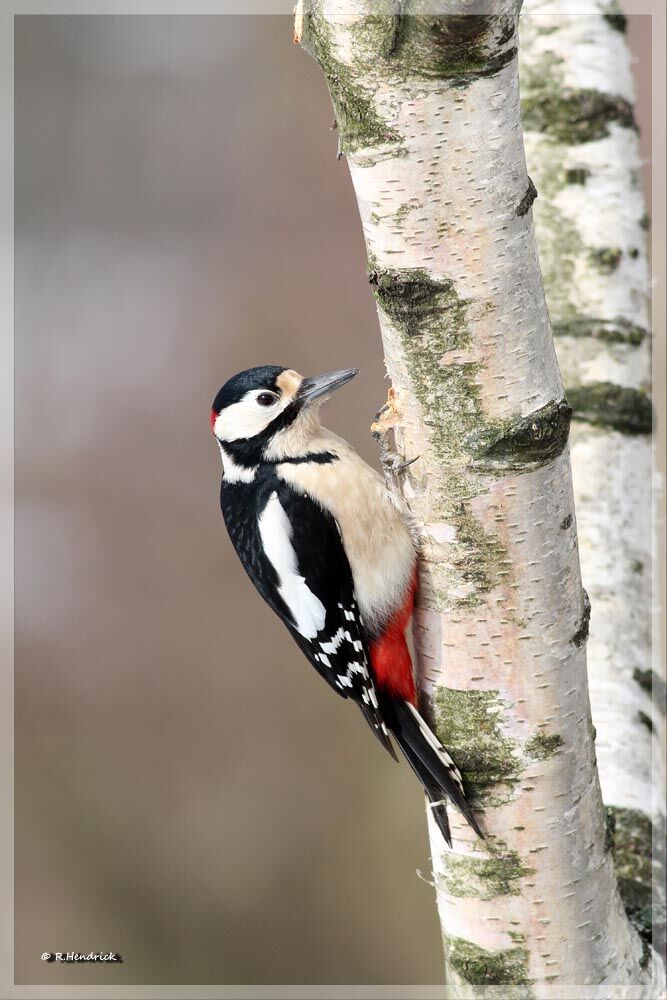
376	539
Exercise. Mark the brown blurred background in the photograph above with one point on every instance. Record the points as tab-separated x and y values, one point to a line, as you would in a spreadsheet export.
188	793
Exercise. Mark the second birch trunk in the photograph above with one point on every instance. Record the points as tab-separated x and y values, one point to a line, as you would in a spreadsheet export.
583	154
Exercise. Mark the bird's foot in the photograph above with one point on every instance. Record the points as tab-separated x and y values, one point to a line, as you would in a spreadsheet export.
386	420
395	463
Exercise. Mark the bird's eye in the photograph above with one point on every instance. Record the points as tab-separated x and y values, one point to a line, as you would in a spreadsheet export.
266	399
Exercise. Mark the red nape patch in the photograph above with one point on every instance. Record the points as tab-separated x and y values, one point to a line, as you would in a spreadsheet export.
213	418
390	656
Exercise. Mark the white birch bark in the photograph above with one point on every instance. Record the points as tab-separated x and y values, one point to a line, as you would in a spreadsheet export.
428	116
583	155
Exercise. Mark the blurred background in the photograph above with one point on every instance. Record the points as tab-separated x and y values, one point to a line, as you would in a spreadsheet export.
188	792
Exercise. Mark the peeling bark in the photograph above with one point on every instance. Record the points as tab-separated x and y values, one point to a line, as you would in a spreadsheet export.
591	228
428	114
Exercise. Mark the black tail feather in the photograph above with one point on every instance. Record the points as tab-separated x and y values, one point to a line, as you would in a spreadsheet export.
374	721
432	765
434	793
439	811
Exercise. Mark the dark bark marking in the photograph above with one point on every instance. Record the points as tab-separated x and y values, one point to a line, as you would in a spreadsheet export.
576	116
607	405
577	175
645	720
457	48
610	331
638	853
607	258
581	635
527	441
619	22
653	685
528	199
408	297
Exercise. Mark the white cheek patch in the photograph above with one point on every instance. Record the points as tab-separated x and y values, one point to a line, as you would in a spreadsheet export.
246	418
306	609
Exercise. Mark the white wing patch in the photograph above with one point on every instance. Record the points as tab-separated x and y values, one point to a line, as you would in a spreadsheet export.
275	530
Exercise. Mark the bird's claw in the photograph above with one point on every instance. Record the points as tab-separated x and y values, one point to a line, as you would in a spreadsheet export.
395	463
405	465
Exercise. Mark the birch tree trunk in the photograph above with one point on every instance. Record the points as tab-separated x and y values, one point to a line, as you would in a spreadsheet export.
428	117
583	154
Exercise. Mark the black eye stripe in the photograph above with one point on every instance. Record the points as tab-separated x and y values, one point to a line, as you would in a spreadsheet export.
250	451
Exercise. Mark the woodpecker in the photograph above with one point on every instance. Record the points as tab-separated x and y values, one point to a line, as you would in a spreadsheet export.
326	545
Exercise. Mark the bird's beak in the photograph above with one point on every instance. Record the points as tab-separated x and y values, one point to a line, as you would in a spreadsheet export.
322	385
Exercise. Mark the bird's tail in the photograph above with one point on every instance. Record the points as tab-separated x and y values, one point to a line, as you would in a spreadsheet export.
432	765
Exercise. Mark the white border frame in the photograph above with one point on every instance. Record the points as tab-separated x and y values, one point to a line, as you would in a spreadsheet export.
657	10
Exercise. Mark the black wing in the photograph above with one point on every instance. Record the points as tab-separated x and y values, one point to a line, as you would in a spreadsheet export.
292	550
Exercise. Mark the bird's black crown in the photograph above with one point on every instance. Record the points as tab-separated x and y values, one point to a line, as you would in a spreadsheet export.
263	377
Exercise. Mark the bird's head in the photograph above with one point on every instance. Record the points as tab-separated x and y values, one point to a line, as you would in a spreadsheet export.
263	413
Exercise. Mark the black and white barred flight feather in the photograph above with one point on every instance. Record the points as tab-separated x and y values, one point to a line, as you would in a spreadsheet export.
275	539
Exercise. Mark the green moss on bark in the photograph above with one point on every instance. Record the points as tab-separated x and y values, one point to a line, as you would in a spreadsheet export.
469	724
610	405
478	555
377	34
577	175
609	830
607	258
455	48
432	320
632	854
543	746
636	866
360	126
412	299
390	44
576	116
651	923
616	331
526	442
479	967
484	877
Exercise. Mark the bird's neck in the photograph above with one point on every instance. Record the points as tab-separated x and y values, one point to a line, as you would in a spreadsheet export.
233	470
237	467
305	435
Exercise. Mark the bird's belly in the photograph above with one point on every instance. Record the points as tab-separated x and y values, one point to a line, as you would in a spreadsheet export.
376	539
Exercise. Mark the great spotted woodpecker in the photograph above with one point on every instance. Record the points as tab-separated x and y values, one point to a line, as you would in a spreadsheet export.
326	546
